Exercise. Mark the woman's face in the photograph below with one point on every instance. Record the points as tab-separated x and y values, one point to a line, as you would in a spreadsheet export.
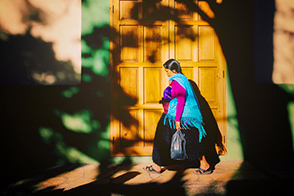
170	73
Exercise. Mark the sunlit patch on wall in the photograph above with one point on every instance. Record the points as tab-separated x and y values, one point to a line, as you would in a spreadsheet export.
274	46
283	68
95	37
97	63
274	41
40	42
80	122
91	17
235	150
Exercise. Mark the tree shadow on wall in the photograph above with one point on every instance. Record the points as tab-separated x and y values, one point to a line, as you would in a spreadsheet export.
26	60
263	118
44	126
26	64
119	98
261	108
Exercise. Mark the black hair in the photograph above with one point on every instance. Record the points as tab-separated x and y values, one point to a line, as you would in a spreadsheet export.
173	64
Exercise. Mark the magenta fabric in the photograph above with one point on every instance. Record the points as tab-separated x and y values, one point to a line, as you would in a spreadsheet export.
165	106
180	93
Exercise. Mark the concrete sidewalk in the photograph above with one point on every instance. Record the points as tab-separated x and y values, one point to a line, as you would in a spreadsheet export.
228	178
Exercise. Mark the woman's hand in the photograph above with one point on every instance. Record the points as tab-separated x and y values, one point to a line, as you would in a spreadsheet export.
178	125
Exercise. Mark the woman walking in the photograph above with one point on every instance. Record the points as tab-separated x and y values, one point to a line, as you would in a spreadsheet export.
181	113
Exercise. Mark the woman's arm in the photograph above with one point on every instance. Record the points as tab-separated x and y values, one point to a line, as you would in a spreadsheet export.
180	93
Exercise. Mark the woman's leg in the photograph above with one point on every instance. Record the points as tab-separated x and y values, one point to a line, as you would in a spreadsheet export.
203	163
161	145
204	167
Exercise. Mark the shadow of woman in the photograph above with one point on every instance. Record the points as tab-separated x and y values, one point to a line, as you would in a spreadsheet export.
214	136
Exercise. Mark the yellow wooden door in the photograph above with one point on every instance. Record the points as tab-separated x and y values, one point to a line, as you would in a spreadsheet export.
143	38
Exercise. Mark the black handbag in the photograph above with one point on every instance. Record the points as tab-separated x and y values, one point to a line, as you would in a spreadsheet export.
178	146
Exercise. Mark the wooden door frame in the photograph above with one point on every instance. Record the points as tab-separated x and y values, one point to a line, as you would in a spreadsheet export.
114	55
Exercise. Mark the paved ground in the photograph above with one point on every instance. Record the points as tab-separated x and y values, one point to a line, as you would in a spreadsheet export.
229	178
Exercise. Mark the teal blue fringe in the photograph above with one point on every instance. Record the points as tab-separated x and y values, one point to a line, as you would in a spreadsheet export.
186	123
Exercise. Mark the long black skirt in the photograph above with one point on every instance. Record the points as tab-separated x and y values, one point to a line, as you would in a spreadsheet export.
162	143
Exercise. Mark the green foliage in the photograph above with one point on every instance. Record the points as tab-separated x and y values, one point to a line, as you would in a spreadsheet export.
79	122
82	110
65	153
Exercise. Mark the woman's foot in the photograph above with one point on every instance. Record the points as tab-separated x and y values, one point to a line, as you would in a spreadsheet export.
200	171
204	165
153	168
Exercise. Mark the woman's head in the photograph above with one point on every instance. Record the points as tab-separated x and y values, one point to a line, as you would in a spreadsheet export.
172	67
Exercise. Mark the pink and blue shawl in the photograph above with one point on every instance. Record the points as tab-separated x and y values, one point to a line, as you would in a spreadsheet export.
191	116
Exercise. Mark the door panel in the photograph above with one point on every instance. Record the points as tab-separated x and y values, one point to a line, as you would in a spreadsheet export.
206	43
143	38
129	43
208	85
152	43
188	72
128	10
152	85
129	80
151	119
130	136
185	42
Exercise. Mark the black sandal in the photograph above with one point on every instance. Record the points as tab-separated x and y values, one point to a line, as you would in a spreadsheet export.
151	169
201	171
